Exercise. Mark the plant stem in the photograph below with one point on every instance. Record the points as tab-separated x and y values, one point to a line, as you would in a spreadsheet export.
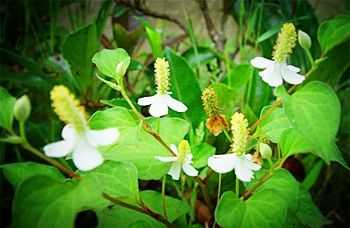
227	135
205	193
237	187
39	154
143	209
148	127
262	180
278	102
53	162
219	187
163	196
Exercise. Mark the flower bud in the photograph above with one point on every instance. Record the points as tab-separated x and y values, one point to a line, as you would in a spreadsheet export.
265	151
304	40
21	109
121	69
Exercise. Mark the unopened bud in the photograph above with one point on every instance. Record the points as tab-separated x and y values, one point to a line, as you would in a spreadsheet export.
21	109
121	69
304	40
265	151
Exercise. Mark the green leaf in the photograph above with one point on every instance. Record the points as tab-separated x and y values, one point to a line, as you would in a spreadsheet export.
266	208
294	143
107	60
313	174
266	35
78	48
16	173
185	88
205	56
297	199
42	201
333	67
314	112
118	179
126	39
154	38
175	208
334	32
123	217
135	144
201	153
274	125
240	75
6	115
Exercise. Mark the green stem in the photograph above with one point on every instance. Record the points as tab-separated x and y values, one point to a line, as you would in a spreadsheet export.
308	53
278	102
227	135
53	162
143	209
163	197
237	186
219	187
205	193
22	131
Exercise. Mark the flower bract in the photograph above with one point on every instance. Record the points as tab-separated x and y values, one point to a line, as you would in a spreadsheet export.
243	165
160	103
179	163
83	146
275	72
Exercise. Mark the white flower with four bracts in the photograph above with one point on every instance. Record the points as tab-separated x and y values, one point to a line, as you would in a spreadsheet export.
161	101
83	146
275	72
182	160
78	138
243	165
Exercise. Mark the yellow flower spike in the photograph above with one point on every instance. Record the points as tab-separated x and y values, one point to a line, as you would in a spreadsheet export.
211	102
161	70
285	43
68	108
240	133
216	121
184	149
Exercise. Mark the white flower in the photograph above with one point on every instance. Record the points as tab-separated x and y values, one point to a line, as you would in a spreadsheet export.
160	103
83	146
276	72
243	165
175	168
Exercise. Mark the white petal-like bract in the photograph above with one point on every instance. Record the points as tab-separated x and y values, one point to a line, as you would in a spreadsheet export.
175	104
243	165
189	170
291	76
175	170
166	159
59	149
85	156
160	103
261	62
222	163
146	100
275	72
102	137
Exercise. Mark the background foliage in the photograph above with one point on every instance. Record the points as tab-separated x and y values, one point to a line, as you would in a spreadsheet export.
45	43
